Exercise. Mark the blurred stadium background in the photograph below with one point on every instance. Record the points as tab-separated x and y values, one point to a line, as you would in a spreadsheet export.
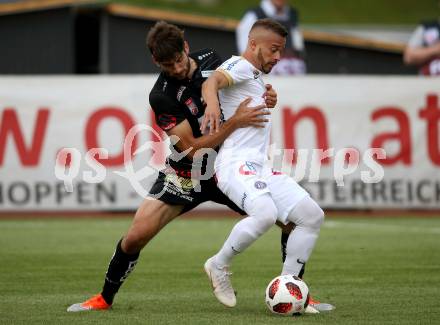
76	74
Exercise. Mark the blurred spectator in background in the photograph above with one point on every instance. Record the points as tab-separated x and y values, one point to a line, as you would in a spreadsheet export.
423	49
292	61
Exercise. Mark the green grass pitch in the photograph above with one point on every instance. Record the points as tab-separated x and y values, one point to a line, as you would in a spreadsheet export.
376	271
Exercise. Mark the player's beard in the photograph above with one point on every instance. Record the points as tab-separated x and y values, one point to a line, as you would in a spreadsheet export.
185	73
265	66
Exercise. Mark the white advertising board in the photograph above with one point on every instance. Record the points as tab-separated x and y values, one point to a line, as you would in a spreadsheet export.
326	119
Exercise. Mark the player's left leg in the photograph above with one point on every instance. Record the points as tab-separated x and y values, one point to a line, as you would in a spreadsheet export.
299	208
308	217
247	190
150	218
285	233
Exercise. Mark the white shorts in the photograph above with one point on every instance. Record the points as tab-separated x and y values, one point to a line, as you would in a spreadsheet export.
243	181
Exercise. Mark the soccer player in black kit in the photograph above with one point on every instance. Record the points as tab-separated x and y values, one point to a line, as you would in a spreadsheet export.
179	110
177	104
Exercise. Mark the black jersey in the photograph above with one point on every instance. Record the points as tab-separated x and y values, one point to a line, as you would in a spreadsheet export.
174	101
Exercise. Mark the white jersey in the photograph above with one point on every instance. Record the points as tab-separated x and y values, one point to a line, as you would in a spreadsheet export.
250	144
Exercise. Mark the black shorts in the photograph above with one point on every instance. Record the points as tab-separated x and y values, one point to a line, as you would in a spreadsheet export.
177	190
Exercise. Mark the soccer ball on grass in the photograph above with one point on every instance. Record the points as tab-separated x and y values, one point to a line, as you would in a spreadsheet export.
287	295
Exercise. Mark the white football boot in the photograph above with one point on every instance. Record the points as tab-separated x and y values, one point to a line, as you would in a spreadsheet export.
221	283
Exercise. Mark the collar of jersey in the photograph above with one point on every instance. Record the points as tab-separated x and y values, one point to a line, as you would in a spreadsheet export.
253	67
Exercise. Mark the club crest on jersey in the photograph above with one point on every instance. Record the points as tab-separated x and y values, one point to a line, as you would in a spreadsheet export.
256	73
180	92
166	121
192	107
259	185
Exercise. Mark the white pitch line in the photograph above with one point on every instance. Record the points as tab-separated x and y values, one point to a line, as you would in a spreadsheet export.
381	227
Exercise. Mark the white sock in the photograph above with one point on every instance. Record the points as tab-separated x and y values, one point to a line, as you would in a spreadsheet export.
308	217
262	216
299	247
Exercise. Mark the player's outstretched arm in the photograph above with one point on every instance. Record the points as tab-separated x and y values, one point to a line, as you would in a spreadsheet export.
244	117
420	55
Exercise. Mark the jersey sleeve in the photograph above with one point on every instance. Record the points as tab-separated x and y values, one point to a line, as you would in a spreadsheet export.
167	112
236	70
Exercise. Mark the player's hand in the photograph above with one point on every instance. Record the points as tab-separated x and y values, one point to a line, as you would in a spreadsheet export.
270	96
250	116
212	118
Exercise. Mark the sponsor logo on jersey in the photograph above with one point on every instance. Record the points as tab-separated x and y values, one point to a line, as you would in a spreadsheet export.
181	183
247	169
206	73
229	66
180	92
192	107
166	121
259	185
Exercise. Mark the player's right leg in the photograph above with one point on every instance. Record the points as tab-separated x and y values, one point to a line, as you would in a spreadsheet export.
149	219
249	192
262	216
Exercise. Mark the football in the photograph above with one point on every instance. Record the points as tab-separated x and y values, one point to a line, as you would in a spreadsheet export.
287	295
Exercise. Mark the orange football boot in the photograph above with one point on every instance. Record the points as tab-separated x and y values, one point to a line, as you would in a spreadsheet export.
317	306
95	303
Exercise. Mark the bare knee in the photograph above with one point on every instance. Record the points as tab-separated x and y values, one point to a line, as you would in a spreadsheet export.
149	219
133	242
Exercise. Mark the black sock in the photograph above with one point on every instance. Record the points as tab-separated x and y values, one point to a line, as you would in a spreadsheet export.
301	273
284	238
120	267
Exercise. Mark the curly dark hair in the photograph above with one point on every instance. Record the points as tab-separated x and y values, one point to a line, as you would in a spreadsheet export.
165	41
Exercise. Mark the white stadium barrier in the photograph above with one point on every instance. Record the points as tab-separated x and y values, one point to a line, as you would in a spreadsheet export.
332	122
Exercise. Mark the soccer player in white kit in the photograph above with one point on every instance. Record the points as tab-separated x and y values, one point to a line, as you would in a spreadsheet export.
240	168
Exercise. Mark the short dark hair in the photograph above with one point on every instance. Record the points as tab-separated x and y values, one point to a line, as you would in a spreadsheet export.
165	41
272	25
